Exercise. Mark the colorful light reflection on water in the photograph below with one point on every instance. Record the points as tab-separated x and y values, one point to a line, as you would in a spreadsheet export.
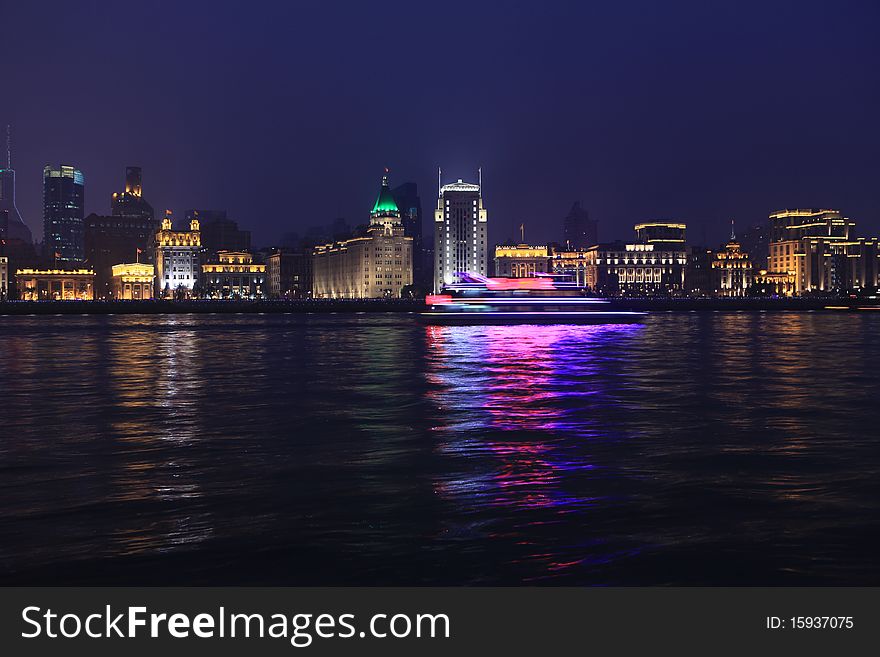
512	391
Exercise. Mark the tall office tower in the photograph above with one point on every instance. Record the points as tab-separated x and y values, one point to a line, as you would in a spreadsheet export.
410	205
460	239
125	236
579	231
63	202
12	227
130	203
16	242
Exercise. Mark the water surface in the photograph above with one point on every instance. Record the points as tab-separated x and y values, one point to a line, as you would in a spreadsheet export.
696	449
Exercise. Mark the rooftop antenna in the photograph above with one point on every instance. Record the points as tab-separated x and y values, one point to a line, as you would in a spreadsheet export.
8	146
480	176
439	181
522	233
732	232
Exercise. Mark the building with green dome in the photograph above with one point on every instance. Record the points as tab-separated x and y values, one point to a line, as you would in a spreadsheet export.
375	266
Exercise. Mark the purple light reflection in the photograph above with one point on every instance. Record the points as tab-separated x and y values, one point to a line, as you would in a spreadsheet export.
513	384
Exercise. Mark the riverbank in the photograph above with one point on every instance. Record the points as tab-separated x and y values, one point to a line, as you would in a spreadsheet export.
155	307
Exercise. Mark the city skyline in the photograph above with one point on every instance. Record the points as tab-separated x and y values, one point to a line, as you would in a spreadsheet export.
550	228
640	112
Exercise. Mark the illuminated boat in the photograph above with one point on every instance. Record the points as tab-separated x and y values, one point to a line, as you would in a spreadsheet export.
539	300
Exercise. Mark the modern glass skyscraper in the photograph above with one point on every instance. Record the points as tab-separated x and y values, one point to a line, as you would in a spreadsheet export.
63	202
460	237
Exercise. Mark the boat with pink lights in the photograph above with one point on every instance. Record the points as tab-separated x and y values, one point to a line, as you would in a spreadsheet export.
538	300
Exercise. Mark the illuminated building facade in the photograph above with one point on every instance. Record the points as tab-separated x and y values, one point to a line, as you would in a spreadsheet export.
132	281
4	278
460	239
177	258
776	283
289	275
63	203
377	265
662	234
635	269
571	266
732	270
578	230
56	284
234	276
815	249
655	264
521	261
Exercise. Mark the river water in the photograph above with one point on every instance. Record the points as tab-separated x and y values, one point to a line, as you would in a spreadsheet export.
693	449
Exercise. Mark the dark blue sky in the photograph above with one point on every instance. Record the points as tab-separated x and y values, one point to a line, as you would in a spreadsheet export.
286	112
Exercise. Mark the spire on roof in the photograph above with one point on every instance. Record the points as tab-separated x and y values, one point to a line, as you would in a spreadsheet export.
385	205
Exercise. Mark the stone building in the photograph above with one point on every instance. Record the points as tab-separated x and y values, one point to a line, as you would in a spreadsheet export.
377	265
521	261
178	259
132	281
56	284
289	274
234	276
732	270
816	250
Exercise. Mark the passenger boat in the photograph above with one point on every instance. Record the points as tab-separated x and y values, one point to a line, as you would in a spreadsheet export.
538	300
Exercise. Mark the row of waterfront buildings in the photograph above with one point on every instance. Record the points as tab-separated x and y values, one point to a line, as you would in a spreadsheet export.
797	252
130	254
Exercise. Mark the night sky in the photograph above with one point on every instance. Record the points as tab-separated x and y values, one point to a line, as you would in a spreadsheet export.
285	113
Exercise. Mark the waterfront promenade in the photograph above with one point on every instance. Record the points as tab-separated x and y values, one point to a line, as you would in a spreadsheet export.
152	307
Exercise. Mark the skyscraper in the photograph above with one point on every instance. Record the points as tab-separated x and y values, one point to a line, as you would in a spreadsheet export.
63	202
130	203
124	236
579	231
460	239
12	227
